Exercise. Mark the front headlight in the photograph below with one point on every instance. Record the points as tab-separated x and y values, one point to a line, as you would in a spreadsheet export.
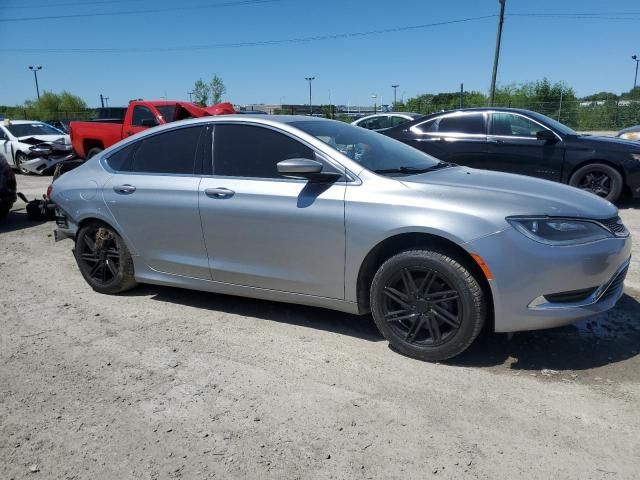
559	231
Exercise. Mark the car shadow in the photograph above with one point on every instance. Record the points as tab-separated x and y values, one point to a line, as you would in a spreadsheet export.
629	203
312	317
601	340
604	339
17	220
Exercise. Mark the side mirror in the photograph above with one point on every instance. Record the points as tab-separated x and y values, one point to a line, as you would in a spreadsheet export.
149	122
547	135
305	168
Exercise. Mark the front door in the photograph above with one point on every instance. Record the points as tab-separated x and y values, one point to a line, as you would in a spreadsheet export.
266	231
153	195
515	148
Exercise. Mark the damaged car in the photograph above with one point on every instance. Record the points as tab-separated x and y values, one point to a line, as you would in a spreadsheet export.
18	139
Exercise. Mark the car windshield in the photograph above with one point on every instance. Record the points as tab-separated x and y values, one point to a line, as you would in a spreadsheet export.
372	150
167	111
32	129
554	124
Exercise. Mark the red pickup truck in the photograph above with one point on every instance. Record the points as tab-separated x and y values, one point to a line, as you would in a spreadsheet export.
89	138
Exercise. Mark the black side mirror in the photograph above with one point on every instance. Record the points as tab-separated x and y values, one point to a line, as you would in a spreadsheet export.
305	168
547	135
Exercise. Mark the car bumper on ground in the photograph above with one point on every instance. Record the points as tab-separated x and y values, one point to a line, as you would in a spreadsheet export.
538	286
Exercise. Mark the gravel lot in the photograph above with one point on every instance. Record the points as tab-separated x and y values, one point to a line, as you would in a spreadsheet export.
168	383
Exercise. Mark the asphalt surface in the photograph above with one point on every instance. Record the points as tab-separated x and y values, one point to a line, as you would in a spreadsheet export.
167	383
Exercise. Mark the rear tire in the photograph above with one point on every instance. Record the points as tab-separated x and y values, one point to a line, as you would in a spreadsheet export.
427	304
104	259
93	151
600	179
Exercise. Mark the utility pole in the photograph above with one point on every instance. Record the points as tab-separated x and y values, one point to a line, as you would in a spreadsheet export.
375	105
497	54
635	80
310	79
462	95
560	107
395	99
101	100
190	96
35	74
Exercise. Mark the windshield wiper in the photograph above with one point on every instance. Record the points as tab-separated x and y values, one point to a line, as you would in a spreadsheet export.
415	170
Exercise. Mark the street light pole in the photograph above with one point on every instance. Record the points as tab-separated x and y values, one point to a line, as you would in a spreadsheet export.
395	96
497	54
310	79
35	74
190	96
375	105
635	80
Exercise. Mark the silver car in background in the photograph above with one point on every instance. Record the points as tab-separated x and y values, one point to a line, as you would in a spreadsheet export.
322	213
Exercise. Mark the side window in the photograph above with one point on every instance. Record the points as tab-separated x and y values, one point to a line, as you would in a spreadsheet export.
395	121
119	160
508	124
169	152
371	124
249	151
430	126
143	117
466	124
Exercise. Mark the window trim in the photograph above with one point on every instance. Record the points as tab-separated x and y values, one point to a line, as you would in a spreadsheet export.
348	178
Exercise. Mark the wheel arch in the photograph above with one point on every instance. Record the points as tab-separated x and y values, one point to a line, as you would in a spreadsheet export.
108	222
401	242
89	143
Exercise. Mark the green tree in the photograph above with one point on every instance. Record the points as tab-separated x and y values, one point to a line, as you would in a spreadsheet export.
217	89
55	106
201	93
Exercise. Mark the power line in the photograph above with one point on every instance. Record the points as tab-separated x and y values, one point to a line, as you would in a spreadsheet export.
246	44
136	12
68	4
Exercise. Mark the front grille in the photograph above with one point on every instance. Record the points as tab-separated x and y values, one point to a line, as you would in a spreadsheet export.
615	285
615	226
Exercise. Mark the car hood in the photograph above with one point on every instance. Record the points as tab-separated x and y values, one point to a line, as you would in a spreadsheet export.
608	143
43	138
496	195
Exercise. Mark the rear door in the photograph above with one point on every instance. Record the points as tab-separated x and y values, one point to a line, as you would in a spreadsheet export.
266	231
514	147
459	137
153	195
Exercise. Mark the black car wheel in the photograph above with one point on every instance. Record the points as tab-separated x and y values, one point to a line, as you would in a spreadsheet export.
427	304
93	151
20	159
103	259
599	179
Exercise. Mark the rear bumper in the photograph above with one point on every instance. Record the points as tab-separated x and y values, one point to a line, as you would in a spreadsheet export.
525	271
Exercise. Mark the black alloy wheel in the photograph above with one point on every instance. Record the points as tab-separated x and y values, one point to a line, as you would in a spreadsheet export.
103	259
422	307
20	159
598	183
428	304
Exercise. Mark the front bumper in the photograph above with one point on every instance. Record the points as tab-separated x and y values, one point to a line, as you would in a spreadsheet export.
524	271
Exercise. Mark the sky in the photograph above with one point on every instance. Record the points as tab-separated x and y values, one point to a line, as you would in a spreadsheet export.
151	49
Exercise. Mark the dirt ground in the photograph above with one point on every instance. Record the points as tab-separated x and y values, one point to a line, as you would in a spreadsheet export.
167	383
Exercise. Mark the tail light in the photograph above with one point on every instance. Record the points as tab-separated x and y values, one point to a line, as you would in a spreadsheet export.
50	190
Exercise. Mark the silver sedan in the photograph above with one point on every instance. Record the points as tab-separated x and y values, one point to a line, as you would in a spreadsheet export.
322	213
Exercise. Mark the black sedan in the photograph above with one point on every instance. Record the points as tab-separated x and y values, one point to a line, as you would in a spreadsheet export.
528	143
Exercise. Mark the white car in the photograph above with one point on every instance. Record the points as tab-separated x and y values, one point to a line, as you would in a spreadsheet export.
380	121
14	133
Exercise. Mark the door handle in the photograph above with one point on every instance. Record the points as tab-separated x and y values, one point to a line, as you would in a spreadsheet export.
219	192
124	189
